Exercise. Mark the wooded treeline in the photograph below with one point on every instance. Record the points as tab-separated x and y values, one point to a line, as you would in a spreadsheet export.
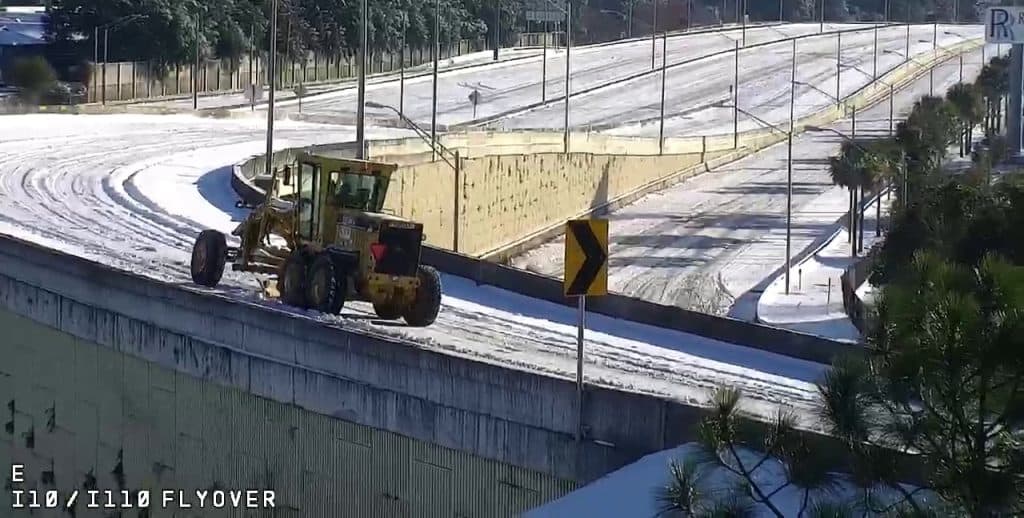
167	31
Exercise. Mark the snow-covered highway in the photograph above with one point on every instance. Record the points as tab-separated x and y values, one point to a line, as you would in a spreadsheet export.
515	86
715	238
132	191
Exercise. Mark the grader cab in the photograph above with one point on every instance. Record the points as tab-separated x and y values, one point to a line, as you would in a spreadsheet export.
323	233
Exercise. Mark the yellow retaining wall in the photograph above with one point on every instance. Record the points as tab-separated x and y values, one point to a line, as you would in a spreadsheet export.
518	184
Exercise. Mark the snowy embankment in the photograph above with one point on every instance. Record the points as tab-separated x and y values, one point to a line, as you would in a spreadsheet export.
814	303
633	490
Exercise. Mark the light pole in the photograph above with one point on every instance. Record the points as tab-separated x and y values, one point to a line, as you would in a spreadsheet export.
497	27
106	39
839	67
821	28
568	46
195	73
789	168
361	109
664	70
401	65
654	30
271	70
436	51
736	98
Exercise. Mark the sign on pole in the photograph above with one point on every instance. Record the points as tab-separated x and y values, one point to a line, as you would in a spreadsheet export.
586	273
1004	25
586	257
544	10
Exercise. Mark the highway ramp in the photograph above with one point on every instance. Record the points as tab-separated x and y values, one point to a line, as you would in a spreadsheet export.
715	238
518	84
132	191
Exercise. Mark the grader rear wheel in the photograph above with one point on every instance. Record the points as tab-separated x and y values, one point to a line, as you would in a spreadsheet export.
427	302
209	255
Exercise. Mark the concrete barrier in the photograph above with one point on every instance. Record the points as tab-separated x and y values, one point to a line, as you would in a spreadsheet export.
520	418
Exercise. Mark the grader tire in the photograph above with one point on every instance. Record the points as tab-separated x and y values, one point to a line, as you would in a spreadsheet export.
209	255
427	302
293	279
327	286
388	311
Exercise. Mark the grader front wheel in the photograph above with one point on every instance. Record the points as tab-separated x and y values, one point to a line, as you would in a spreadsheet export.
293	279
427	303
327	285
209	255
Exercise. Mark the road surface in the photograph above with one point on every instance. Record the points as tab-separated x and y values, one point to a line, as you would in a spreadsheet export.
517	85
712	240
133	191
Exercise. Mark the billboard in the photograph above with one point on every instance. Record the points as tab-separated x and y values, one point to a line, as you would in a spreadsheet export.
1004	24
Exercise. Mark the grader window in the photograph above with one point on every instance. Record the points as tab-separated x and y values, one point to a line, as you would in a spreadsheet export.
357	191
309	212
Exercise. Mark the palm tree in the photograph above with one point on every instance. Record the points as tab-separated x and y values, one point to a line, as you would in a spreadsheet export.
968	103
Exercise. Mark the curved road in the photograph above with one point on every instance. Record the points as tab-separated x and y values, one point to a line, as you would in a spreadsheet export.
516	85
714	238
132	191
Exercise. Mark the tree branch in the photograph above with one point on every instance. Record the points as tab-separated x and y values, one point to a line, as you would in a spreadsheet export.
753	485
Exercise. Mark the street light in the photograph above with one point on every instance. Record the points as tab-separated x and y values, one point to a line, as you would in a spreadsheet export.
96	47
789	159
892	93
361	109
878	198
434	144
437	149
271	70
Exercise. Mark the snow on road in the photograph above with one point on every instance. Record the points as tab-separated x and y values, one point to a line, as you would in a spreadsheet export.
710	242
133	191
633	108
512	86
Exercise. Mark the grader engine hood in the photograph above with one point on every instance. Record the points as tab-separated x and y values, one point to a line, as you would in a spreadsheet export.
397	248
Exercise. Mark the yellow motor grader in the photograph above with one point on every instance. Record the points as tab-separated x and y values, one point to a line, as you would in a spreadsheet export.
322	232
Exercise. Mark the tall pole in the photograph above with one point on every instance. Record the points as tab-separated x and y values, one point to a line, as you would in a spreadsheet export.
789	168
95	60
271	70
252	80
195	75
1013	112
544	70
568	46
782	14
579	366
361	109
908	40
401	67
891	110
839	67
821	24
664	70
689	11
736	99
743	20
436	55
106	48
497	27
654	31
629	20
874	66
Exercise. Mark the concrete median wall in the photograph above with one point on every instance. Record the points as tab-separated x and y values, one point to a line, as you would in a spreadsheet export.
514	417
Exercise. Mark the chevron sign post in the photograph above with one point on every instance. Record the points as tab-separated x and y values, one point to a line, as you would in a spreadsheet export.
586	274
